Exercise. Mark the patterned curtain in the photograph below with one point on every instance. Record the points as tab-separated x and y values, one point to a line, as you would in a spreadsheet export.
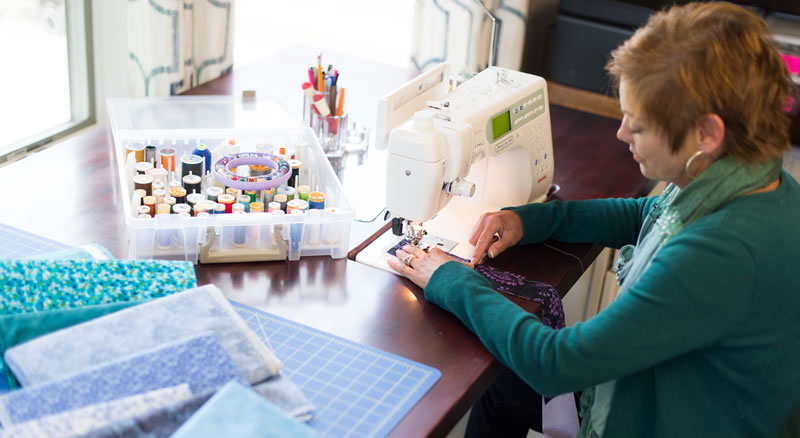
175	45
459	31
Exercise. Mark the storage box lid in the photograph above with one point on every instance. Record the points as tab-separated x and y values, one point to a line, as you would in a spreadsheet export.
197	112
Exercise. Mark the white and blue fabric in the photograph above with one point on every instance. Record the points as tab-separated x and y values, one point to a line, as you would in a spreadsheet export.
199	361
235	411
140	328
459	32
175	45
80	421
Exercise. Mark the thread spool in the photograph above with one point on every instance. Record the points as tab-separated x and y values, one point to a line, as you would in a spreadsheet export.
181	209
179	193
150	203
295	164
167	159
171	201
194	198
280	198
296	228
202	151
159	174
160	194
191	164
192	183
239	232
143	182
245	201
219	208
273	206
137	149
142	167
143	210
288	191
233	192
158	185
227	200
163	208
316	200
139	194
200	207
292	206
214	192
313	226
269	195
252	194
302	205
303	191
150	154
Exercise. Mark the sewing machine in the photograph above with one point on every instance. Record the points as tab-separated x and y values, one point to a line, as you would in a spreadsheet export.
454	154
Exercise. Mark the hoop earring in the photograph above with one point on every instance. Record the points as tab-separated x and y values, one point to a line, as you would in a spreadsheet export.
689	163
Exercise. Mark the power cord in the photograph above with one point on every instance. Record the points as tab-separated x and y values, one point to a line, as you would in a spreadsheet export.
564	252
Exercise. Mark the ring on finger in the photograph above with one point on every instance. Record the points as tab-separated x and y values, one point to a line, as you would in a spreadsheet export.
407	259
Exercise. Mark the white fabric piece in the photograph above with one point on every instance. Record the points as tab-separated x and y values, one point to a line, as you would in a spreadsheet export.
141	328
80	421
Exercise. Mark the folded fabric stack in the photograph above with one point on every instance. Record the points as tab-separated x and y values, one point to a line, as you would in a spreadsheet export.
142	370
38	285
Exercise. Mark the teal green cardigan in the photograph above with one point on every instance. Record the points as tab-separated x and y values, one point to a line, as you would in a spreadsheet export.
706	344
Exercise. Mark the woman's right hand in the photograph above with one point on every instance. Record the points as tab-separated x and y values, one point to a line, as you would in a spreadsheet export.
495	232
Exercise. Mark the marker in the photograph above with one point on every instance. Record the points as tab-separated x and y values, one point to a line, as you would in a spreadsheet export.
340	108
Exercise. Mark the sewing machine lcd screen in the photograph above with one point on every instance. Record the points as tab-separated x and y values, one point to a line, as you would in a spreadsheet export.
501	124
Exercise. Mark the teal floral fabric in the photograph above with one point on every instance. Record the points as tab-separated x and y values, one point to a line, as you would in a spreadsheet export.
38	285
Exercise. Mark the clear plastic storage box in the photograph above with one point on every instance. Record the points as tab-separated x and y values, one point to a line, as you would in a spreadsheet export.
182	123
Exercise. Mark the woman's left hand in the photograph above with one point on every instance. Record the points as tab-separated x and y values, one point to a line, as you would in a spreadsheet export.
418	265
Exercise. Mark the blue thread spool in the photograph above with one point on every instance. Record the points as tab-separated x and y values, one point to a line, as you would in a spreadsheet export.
202	151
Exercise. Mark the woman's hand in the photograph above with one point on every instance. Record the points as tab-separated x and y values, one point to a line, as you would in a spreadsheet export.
418	265
495	232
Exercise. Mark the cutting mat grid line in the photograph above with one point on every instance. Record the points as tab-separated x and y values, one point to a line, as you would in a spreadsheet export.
358	391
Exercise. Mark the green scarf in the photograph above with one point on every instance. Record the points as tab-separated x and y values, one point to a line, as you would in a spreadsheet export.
723	181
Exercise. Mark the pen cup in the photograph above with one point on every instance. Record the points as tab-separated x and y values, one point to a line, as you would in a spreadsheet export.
332	133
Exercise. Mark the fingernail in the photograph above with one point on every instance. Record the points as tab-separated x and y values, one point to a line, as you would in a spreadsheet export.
491	254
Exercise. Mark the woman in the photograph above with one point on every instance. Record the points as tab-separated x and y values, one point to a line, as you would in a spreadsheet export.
704	336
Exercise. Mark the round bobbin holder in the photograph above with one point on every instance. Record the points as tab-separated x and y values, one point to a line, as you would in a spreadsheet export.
282	171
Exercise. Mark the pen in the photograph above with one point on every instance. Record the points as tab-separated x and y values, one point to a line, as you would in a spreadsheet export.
311	75
321	83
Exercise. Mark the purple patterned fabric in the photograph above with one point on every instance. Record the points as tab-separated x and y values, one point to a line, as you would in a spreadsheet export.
514	284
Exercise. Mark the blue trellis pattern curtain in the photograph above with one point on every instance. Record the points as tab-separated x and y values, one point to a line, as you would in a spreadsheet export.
459	31
175	45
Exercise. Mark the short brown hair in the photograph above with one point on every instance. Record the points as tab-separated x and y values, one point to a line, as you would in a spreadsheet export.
704	58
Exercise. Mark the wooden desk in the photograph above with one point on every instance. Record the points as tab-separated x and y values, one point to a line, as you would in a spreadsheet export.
69	193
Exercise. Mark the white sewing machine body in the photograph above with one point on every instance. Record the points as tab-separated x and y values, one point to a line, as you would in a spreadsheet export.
485	145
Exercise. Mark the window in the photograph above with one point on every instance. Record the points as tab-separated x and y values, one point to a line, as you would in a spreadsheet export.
45	81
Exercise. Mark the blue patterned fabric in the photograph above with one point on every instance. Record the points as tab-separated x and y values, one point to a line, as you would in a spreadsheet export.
139	328
92	417
236	411
37	285
199	361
